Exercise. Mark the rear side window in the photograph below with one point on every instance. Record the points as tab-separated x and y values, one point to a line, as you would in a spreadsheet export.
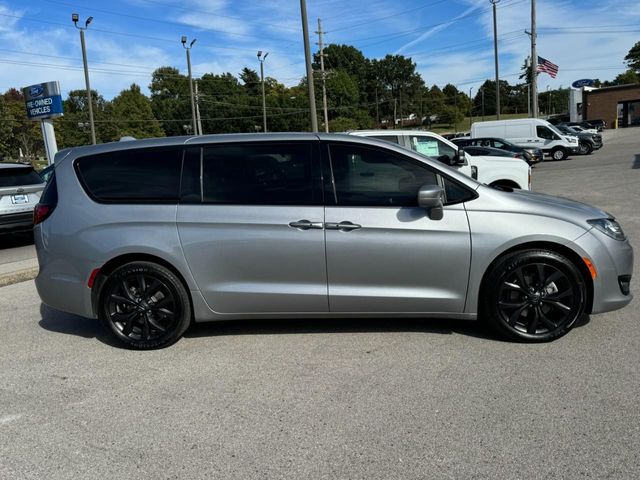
260	174
17	177
138	175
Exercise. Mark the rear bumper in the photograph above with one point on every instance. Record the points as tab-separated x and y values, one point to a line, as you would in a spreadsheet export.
12	222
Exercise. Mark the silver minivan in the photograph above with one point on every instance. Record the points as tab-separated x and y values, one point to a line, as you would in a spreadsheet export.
151	235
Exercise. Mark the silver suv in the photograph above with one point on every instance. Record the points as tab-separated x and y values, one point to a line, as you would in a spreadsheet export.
20	190
150	235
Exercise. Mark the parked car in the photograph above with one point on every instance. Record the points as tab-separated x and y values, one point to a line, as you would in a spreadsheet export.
147	235
588	142
585	125
491	170
20	190
530	155
490	151
599	124
578	129
529	133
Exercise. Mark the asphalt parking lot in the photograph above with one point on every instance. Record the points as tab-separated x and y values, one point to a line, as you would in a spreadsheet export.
392	399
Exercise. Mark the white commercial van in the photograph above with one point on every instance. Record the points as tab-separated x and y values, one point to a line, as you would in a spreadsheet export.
494	171
529	132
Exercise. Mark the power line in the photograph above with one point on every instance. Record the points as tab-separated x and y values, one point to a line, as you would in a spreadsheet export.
150	19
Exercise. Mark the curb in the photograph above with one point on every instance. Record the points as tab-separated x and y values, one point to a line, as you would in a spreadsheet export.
18	276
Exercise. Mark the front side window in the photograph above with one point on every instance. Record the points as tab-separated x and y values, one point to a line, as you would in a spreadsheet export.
259	174
365	176
431	147
544	132
133	175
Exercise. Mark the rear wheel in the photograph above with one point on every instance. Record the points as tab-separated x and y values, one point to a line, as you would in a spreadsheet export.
534	296
559	153
144	306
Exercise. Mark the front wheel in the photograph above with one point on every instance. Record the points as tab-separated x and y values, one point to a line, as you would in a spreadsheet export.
144	306
533	296
585	148
558	153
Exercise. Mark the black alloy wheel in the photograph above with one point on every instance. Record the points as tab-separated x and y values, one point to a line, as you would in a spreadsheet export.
144	306
585	148
535	296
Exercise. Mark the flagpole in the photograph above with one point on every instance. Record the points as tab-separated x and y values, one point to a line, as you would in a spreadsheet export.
534	63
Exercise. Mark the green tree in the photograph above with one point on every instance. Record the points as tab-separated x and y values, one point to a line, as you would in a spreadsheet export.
170	100
6	122
133	114
26	137
343	124
73	128
251	81
632	59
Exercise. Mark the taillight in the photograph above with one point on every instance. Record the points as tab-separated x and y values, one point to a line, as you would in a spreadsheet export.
41	212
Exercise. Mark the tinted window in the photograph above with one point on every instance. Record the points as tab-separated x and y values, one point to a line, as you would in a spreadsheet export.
137	175
387	138
367	176
431	146
544	132
259	174
17	177
455	192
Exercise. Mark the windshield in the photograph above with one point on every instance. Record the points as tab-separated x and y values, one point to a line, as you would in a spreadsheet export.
555	130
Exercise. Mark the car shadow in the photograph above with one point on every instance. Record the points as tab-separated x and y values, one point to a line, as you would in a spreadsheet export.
68	324
16	239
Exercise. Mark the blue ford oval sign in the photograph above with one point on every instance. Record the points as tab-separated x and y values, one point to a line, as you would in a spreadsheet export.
585	82
36	91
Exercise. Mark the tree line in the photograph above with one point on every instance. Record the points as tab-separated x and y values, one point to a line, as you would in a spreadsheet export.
361	93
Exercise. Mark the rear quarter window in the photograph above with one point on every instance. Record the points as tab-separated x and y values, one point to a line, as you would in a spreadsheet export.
140	175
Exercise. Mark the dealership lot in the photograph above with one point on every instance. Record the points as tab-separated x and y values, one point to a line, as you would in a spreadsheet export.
333	399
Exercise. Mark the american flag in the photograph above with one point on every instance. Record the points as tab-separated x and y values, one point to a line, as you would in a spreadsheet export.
546	66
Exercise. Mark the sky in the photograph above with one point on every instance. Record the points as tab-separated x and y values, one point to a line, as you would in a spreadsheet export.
451	41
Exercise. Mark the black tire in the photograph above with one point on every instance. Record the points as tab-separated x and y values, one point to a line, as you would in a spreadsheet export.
585	148
559	153
144	306
533	296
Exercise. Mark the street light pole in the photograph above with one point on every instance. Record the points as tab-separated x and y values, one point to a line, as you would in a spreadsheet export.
75	18
495	53
470	108
307	55
261	59
194	124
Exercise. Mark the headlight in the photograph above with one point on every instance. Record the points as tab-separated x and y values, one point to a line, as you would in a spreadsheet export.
609	227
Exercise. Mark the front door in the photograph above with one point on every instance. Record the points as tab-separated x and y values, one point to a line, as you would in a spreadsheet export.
251	227
384	253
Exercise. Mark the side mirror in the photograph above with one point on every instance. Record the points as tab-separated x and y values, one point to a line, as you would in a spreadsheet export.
459	158
430	197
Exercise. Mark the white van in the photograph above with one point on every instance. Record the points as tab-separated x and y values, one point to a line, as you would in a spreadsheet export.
529	132
494	171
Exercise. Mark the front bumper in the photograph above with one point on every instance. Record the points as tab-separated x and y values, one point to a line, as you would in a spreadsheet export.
613	260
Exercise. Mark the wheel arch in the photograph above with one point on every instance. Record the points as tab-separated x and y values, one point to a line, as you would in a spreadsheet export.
116	262
506	183
563	250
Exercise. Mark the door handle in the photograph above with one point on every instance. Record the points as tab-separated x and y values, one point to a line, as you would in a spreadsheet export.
345	226
306	225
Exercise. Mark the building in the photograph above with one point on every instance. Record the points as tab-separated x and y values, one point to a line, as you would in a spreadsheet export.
618	105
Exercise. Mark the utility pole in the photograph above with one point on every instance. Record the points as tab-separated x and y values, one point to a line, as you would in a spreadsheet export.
307	56
261	59
193	103
534	62
470	108
495	54
198	119
75	18
324	82
482	90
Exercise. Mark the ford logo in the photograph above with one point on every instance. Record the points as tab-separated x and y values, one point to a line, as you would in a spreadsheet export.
585	82
36	91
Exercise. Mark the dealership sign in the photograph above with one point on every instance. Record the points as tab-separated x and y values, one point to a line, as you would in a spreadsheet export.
43	100
585	82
